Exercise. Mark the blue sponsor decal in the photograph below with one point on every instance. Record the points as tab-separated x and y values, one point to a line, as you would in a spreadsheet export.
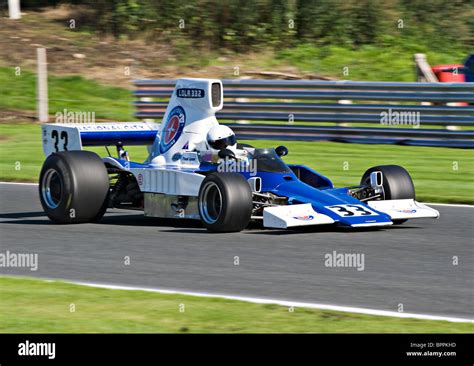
190	93
304	218
172	128
407	211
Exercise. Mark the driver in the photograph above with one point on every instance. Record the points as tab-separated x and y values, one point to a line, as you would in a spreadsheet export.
221	137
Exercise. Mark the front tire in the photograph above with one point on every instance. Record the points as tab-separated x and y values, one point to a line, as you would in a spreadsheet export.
225	202
73	187
397	183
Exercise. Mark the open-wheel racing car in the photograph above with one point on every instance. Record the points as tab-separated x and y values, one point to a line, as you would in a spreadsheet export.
196	169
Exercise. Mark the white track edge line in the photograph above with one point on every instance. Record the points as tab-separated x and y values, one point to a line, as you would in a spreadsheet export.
448	204
287	303
21	183
425	203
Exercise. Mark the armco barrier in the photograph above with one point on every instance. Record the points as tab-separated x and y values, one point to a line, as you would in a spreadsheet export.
302	109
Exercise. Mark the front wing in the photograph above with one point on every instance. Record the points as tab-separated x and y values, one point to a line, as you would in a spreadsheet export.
284	217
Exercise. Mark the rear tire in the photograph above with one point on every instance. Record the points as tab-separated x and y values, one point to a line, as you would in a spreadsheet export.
73	187
225	202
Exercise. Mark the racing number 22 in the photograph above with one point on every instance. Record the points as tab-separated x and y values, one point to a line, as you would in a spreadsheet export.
56	137
350	210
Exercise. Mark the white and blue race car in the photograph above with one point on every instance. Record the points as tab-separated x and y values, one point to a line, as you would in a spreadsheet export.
196	170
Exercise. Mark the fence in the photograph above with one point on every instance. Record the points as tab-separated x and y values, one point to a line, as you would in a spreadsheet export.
323	110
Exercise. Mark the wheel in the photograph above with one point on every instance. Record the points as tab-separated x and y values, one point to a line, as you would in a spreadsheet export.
397	183
73	187
225	202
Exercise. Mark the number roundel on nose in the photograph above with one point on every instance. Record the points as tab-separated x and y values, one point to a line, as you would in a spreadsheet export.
351	210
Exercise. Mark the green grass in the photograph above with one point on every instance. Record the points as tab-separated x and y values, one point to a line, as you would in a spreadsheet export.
433	169
391	60
45	308
73	93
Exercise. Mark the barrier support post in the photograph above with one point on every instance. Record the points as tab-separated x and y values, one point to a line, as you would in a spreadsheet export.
14	9
42	91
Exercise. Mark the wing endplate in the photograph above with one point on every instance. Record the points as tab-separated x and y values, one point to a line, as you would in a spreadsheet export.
404	209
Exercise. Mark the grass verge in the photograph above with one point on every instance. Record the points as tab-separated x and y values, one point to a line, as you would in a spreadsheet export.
439	174
392	60
45	308
73	93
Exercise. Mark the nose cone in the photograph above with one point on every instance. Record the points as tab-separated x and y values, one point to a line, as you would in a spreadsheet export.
342	208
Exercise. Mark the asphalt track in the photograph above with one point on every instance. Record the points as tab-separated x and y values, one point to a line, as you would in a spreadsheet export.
411	264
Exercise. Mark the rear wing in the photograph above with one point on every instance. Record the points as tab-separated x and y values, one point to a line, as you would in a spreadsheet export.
66	137
189	116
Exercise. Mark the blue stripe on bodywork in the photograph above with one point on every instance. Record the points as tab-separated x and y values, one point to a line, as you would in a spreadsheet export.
101	138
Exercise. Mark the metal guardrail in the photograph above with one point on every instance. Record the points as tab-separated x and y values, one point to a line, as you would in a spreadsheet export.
321	84
362	135
334	95
292	105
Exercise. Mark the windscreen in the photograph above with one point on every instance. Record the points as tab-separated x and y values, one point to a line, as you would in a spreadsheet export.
269	161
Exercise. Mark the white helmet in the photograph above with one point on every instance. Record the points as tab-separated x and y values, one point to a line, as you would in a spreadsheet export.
220	136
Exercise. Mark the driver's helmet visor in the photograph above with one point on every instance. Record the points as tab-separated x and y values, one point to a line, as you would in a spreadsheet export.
223	143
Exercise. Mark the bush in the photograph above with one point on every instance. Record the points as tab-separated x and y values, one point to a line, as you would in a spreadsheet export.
242	25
